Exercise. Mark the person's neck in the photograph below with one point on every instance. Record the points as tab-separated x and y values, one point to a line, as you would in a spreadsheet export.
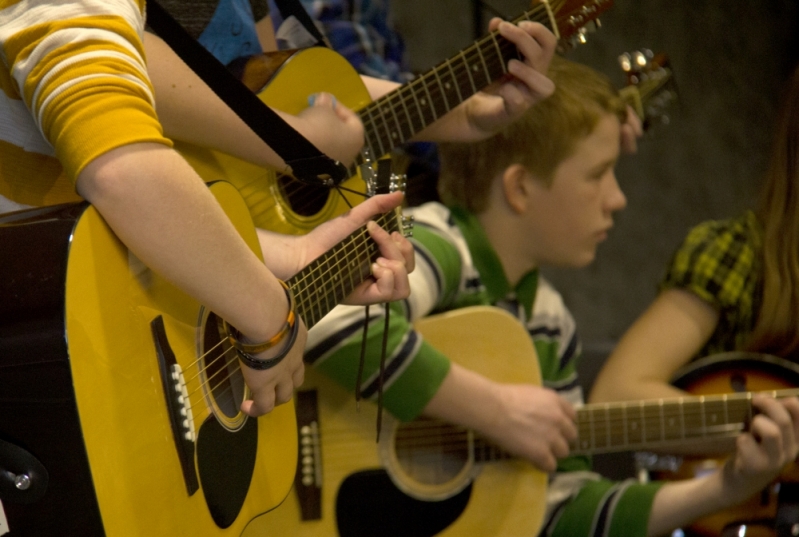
499	228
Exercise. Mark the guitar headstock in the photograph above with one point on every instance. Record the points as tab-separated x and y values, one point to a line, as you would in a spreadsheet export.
572	20
650	86
381	178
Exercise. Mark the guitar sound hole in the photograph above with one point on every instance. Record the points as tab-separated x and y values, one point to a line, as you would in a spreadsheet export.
222	378
303	198
432	452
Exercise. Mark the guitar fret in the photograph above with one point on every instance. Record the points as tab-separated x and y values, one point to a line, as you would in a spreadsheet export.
425	104
499	52
475	67
702	413
349	260
370	129
682	418
397	137
455	82
411	128
384	125
672	425
439	99
624	417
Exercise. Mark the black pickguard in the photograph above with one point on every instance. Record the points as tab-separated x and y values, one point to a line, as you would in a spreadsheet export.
368	504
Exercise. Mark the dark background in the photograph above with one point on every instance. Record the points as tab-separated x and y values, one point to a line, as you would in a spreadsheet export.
729	61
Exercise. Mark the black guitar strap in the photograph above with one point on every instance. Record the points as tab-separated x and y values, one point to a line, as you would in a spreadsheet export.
307	163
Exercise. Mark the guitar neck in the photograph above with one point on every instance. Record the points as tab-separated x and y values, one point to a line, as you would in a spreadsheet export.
629	426
666	422
399	115
324	283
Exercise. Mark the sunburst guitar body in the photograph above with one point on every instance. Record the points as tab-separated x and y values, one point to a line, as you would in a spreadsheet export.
729	373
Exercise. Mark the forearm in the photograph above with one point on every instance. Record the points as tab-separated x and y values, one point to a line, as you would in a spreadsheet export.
669	333
683	502
167	217
476	411
180	94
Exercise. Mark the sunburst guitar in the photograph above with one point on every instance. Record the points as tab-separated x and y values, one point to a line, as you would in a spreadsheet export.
428	477
119	397
285	80
729	373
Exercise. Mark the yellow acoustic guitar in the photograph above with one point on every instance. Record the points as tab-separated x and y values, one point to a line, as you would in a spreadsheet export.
119	399
285	80
429	478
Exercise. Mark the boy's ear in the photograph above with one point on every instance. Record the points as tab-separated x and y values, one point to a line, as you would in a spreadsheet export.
516	187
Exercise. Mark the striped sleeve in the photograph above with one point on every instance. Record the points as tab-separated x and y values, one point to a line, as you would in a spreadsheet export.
414	369
604	508
80	70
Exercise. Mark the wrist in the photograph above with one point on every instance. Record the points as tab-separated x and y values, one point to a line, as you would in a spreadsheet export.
265	354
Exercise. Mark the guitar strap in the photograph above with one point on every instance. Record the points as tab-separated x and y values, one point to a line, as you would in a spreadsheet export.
305	161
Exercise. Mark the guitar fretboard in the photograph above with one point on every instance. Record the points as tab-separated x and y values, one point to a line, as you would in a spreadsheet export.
320	286
612	427
660	423
397	116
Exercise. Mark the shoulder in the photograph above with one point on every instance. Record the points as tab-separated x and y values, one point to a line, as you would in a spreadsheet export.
718	259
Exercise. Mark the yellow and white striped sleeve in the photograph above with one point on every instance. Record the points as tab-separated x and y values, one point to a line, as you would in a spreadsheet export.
79	67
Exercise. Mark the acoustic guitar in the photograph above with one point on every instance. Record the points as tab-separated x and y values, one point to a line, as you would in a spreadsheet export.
284	81
429	477
119	397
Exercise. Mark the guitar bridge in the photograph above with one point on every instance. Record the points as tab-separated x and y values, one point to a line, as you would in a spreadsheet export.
177	401
181	396
308	480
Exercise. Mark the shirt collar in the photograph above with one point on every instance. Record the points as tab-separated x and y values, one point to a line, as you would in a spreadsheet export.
488	264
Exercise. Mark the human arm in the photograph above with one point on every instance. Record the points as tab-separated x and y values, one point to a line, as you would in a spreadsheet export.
589	505
666	336
191	112
166	216
286	255
760	454
147	193
503	102
527	420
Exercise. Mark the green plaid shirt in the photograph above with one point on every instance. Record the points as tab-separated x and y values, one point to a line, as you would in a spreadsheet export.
720	262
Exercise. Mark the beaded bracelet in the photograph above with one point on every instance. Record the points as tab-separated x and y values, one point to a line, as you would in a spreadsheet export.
256	363
246	350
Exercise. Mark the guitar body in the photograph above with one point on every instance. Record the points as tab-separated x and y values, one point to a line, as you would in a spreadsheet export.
496	498
281	203
724	374
81	390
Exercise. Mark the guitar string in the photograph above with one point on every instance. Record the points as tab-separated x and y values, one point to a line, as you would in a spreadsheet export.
359	240
313	198
460	76
373	113
406	94
431	429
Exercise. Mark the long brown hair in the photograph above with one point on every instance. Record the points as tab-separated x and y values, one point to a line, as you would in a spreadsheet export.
777	328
